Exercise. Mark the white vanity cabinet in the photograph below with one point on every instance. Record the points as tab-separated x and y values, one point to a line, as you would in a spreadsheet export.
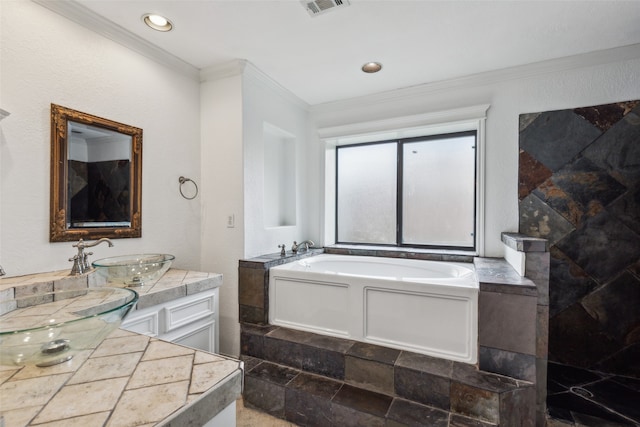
191	321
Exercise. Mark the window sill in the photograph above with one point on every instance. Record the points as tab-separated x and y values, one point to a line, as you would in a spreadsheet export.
402	252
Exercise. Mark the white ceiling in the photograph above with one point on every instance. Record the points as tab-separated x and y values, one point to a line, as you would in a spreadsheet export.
419	41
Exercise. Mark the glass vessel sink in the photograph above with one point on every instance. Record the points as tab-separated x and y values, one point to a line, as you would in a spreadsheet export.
45	329
133	270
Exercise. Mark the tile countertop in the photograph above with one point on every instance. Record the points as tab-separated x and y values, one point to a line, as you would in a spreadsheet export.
173	284
128	379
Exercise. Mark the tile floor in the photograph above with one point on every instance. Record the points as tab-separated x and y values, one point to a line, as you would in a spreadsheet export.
592	399
247	417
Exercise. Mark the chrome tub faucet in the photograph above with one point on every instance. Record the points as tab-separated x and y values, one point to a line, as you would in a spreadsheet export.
81	259
305	245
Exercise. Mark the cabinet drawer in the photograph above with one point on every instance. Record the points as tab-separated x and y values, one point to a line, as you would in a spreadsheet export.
146	324
189	310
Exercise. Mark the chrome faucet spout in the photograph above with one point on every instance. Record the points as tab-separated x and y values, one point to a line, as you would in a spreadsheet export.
305	245
81	260
82	244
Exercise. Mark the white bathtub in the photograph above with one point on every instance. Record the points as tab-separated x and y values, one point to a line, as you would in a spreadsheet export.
428	307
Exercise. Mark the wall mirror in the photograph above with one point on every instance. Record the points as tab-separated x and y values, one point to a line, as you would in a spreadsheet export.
96	177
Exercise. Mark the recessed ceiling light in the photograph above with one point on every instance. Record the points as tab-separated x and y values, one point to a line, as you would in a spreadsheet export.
372	67
157	22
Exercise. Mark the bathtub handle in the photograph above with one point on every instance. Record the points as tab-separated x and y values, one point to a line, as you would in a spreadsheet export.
282	249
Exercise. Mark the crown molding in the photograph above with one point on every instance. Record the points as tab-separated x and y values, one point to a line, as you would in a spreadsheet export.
220	71
254	73
567	63
96	23
474	112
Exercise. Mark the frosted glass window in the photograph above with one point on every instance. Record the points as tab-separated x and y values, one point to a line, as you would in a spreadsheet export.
366	193
436	180
438	192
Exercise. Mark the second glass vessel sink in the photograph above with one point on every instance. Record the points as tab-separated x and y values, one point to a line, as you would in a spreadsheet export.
133	270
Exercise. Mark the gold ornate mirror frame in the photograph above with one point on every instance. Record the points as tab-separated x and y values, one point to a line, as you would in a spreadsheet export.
62	229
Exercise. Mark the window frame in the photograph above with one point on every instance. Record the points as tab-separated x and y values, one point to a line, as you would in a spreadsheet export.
399	202
471	117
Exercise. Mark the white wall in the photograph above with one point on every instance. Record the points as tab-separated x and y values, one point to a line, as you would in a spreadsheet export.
265	102
549	86
46	59
221	193
236	102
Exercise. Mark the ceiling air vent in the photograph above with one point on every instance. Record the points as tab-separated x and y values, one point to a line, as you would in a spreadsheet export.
318	7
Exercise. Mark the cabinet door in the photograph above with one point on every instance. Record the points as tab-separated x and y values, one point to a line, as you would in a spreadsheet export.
143	322
188	310
202	338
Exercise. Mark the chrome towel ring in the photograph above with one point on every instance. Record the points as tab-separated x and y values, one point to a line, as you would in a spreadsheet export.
182	180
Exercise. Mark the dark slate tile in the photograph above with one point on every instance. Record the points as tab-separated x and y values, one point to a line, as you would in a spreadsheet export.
568	282
524	120
560	201
323	362
531	173
411	414
248	314
462	421
627	209
569	376
607	115
376	404
422	387
562	405
470	375
251	344
589	420
574	338
616	397
264	395
556	137
315	385
603	246
585	182
617	151
427	364
283	352
615	306
368	374
272	373
554	387
475	403
374	352
250	362
508	363
308	400
630	383
518	407
344	416
338	345
251	287
538	220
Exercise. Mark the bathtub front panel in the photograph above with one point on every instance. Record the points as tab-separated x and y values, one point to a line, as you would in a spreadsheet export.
308	305
428	323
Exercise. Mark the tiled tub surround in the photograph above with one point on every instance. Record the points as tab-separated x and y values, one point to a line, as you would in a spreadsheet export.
129	379
313	379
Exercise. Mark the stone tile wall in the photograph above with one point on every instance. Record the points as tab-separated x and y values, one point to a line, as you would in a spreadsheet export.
579	187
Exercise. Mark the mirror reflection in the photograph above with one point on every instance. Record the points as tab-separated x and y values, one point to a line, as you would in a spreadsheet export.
99	177
95	177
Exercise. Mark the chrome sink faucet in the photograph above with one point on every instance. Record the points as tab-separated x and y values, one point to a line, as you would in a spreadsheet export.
306	245
81	260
